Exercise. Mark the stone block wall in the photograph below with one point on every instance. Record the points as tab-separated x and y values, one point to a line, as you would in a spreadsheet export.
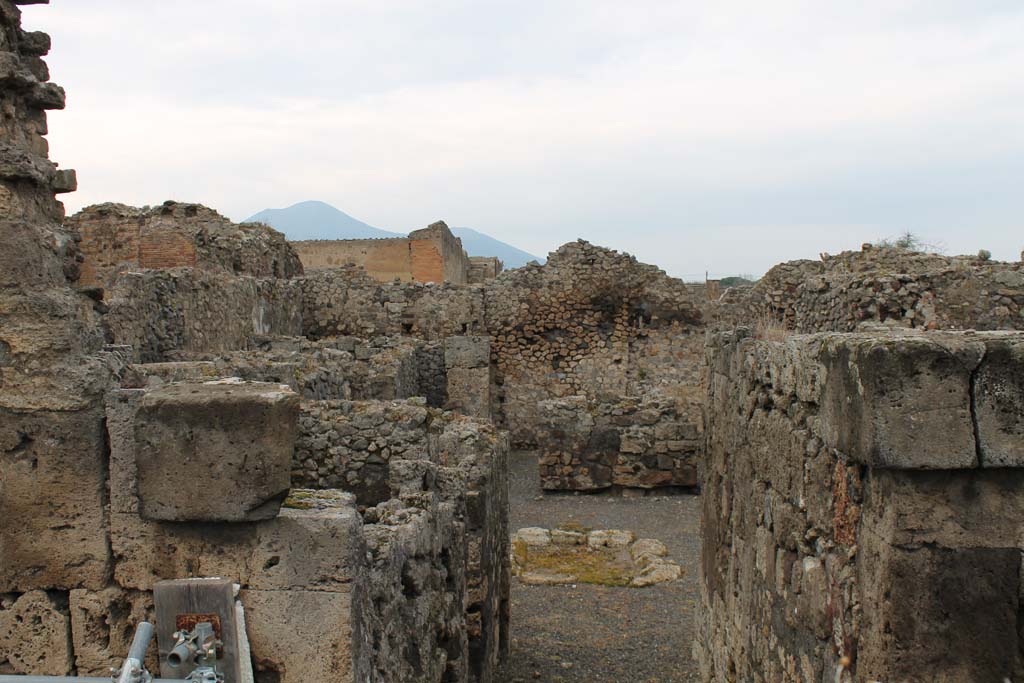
53	373
157	312
115	238
331	596
470	376
401	577
401	454
590	322
858	510
349	444
346	301
334	368
637	442
384	259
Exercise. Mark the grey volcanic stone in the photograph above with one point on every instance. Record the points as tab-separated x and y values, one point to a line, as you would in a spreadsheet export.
999	402
902	401
216	451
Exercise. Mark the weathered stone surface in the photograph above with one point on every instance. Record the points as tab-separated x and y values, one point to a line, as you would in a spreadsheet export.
215	451
901	401
467	352
999	401
634	442
121	407
533	536
116	237
647	549
607	557
469	391
957	509
351	444
890	287
35	634
299	636
159	312
52	500
950	612
908	570
655	573
562	537
610	538
300	549
102	625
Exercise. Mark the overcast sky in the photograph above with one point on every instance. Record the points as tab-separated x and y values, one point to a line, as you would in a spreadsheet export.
719	136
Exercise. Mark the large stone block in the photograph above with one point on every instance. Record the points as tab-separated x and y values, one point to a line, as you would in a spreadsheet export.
311	547
34	634
981	508
121	406
102	625
298	636
901	401
467	352
999	401
940	614
469	391
215	451
52	501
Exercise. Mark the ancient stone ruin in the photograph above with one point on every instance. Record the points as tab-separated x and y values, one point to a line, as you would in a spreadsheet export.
432	254
182	397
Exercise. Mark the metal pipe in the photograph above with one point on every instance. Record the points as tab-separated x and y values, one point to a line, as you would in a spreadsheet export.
140	643
132	667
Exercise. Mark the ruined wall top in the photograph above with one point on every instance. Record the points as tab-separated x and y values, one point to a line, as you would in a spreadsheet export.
116	237
896	287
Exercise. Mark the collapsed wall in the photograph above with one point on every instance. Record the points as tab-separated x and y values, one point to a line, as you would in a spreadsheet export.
591	327
53	373
117	238
895	287
590	323
400	573
863	504
596	328
409	586
157	312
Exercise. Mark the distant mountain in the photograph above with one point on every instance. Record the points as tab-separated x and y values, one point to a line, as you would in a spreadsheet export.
315	220
478	244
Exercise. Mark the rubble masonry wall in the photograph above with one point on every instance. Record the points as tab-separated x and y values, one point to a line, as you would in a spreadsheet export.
116	238
862	500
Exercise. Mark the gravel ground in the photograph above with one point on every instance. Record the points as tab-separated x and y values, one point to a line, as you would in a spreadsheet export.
598	634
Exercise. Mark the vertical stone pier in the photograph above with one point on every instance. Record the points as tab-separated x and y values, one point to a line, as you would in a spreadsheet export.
864	508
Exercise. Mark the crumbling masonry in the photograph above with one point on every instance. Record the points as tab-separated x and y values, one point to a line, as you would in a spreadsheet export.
854	425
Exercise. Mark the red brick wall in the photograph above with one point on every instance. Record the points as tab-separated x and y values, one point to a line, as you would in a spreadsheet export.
166	250
427	264
104	247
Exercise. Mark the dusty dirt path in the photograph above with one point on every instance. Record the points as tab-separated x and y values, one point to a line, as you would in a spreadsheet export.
598	634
